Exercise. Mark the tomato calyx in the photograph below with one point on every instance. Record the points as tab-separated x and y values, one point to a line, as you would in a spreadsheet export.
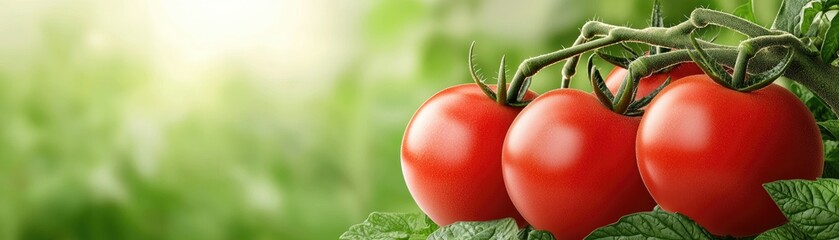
621	103
657	20
740	80
500	95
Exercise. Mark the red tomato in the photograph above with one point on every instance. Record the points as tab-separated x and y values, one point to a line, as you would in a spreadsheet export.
705	151
650	83
569	164
451	156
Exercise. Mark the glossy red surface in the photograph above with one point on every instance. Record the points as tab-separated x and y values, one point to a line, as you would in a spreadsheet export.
569	164
451	156
705	151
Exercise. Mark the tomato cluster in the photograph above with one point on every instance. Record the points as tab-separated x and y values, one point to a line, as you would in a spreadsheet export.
568	163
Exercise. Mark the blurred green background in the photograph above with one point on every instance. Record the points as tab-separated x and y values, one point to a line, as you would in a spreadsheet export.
252	119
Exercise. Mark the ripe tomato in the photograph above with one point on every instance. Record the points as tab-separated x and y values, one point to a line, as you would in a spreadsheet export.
705	151
451	156
569	164
650	83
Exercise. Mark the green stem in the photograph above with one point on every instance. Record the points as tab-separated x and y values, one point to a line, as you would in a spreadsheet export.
821	78
673	37
647	65
570	67
702	17
806	66
743	56
530	66
653	36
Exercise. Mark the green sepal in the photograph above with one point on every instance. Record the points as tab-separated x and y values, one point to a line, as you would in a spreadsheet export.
714	70
501	89
476	78
622	62
634	113
598	85
620	104
519	104
640	103
656	20
763	79
523	90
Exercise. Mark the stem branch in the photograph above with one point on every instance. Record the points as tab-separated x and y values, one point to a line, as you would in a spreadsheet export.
806	66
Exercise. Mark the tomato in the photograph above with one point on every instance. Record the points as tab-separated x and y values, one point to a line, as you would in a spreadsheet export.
451	156
569	164
647	84
705	151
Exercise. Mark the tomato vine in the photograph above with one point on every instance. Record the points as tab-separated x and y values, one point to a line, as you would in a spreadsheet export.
806	66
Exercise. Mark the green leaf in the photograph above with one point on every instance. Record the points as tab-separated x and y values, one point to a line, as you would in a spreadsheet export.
496	229
392	226
829	129
789	15
831	169
657	208
784	232
817	106
830	3
540	235
830	46
746	11
831	151
810	16
652	225
812	206
529	233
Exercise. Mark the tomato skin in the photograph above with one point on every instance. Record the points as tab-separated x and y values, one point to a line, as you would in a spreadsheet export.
451	156
705	151
569	164
647	84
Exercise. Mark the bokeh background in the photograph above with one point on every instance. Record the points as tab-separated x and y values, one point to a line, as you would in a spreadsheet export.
248	119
